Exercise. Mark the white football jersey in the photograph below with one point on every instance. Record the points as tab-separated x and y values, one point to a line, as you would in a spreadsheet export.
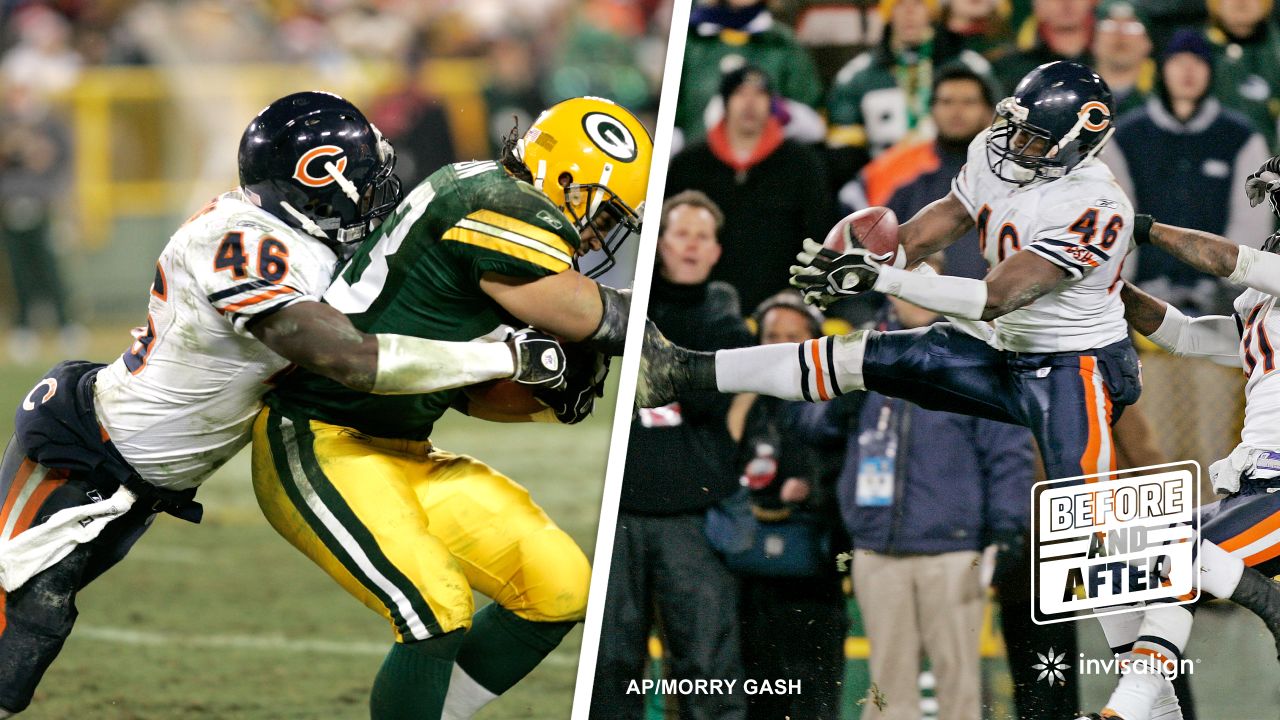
1259	331
1082	222
181	400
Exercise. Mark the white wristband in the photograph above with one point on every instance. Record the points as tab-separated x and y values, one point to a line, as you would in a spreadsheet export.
955	296
1168	335
410	365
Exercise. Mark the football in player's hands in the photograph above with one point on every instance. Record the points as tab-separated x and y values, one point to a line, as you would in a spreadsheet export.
873	228
504	397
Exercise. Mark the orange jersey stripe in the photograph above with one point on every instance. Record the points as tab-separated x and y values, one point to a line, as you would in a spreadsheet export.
24	472
1256	532
1263	556
256	299
1093	448
34	502
817	370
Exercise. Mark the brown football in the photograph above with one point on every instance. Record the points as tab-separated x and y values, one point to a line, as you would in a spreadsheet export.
506	397
875	228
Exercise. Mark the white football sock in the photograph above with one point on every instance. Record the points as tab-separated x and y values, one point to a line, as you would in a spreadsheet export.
1164	632
1121	630
1140	687
1220	571
465	696
814	370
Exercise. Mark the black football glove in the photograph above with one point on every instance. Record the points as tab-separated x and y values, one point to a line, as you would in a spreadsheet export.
540	361
825	276
584	382
1263	182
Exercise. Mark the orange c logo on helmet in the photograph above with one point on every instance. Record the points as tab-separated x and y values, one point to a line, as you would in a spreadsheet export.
301	174
1086	113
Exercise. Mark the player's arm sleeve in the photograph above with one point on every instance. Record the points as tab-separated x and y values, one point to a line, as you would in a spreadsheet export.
1215	336
248	274
1069	239
513	242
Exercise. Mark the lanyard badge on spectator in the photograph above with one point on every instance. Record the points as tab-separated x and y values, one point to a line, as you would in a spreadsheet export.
877	450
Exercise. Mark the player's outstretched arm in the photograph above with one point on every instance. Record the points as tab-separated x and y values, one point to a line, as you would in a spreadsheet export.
934	228
1216	255
1015	282
1212	336
567	304
322	339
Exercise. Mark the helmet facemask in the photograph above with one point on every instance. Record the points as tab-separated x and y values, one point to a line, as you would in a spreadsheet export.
611	221
1018	152
1021	153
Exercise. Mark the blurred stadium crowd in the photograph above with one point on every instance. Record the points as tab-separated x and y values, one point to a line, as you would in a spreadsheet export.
791	114
119	117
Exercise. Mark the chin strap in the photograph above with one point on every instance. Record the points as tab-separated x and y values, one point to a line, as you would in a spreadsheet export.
304	222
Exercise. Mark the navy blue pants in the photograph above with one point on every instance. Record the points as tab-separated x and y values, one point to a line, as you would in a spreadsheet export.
1247	524
1068	400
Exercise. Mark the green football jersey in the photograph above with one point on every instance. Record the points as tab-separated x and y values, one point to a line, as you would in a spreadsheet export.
419	274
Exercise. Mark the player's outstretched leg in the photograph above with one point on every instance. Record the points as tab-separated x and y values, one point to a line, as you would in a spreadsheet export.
511	551
1232	532
814	370
1261	596
666	370
499	651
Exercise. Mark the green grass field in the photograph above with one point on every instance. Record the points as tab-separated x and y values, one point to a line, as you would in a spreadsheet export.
226	620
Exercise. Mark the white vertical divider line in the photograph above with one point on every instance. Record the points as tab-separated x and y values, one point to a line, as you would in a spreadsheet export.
631	358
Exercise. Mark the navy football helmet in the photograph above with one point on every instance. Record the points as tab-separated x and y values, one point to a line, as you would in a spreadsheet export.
1059	116
314	161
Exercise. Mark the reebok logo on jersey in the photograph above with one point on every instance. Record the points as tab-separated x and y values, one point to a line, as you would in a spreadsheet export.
610	135
302	173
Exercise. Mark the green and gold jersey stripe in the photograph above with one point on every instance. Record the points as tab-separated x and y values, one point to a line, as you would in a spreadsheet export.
500	222
507	235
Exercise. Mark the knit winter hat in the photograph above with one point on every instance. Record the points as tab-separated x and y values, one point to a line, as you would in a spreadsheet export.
1191	41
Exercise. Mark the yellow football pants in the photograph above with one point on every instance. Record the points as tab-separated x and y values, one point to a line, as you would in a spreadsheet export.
410	530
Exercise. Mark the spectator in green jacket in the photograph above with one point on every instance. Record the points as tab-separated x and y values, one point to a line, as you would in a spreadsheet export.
1246	71
881	97
729	34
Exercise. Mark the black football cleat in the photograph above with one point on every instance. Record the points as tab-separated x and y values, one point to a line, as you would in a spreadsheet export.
1260	595
668	370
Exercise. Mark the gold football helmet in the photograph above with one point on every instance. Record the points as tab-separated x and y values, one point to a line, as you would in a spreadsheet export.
591	157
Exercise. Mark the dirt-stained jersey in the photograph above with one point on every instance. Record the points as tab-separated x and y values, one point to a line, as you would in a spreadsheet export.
1083	223
419	274
181	400
1259	331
